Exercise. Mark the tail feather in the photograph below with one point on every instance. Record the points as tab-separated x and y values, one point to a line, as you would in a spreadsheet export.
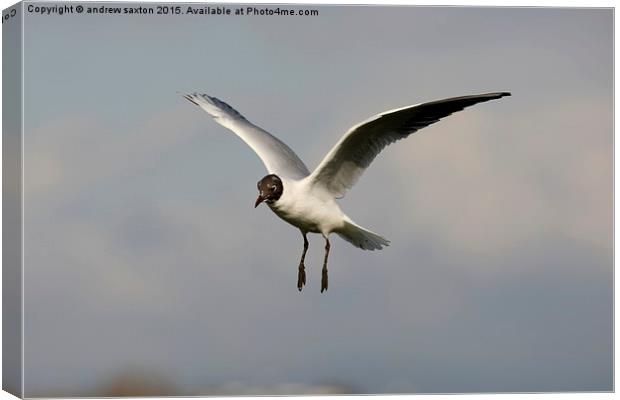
362	238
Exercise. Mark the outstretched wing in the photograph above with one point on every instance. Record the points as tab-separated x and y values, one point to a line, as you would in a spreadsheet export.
275	154
349	158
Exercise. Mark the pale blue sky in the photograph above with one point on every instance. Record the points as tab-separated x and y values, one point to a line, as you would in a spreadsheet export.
144	254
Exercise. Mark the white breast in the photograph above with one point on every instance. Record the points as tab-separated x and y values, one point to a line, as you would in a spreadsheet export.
309	210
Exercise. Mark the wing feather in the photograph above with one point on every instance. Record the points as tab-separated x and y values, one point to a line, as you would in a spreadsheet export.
348	159
278	158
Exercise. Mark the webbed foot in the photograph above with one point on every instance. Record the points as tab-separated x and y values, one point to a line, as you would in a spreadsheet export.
301	277
324	280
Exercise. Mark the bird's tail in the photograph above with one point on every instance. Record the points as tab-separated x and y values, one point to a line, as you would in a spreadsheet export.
360	237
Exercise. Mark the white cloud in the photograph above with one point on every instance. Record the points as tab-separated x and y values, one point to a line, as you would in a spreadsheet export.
486	185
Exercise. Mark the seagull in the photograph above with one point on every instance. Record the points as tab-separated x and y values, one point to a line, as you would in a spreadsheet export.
307	200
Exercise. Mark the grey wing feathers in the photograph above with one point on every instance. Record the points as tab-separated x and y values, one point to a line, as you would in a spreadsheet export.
278	158
218	107
346	162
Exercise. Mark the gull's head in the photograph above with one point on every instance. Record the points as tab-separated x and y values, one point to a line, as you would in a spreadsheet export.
269	189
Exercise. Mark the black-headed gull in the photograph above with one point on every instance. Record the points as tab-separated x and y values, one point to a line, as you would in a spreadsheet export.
308	200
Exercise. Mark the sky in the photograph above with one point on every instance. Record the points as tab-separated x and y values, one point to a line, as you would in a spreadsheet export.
146	265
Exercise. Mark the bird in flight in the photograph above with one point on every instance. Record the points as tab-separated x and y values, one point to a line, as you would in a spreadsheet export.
307	200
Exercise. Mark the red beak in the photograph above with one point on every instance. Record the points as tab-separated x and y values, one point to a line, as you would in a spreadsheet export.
259	200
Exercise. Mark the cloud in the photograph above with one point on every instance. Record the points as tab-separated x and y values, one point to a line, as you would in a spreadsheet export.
77	152
487	184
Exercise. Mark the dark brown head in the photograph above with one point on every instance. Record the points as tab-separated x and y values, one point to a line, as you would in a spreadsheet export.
269	189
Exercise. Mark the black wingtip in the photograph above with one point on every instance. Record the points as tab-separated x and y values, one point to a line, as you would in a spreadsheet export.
189	98
497	95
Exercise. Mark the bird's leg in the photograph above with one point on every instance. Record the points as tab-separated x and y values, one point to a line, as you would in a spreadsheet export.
324	274
301	274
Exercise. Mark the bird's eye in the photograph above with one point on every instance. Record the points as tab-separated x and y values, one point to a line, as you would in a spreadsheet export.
272	188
